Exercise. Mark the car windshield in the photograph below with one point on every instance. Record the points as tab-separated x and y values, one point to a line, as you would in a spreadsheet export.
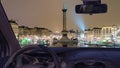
54	23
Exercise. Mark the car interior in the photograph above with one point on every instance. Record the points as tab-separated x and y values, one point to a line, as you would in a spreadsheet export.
13	55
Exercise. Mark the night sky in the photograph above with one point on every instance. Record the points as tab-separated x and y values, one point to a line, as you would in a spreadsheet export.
48	14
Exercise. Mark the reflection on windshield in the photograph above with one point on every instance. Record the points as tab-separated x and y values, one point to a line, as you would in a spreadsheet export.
42	26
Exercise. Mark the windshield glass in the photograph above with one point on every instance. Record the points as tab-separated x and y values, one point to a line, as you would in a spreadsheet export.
54	23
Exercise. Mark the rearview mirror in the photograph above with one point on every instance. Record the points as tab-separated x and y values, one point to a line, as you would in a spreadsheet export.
91	9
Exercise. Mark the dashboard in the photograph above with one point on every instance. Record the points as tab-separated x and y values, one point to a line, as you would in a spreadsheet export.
72	57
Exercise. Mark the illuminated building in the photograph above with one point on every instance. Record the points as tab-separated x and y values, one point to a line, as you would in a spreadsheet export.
94	33
101	34
88	32
23	30
114	30
27	35
97	32
108	31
